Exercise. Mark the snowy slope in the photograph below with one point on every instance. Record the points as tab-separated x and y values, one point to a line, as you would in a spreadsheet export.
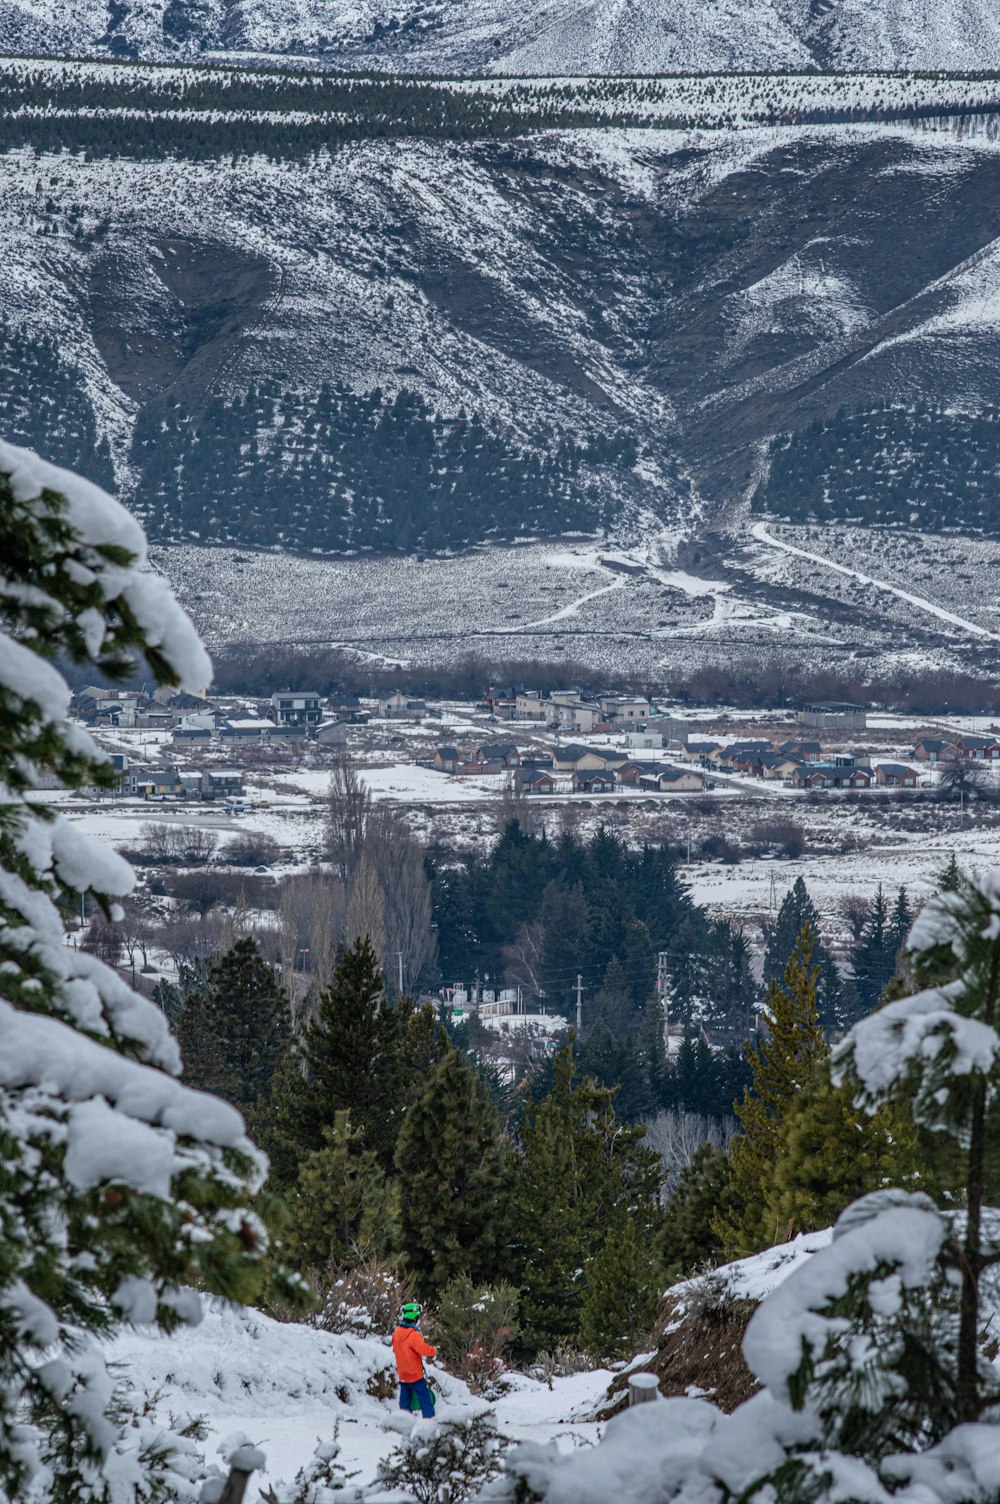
288	1386
547	36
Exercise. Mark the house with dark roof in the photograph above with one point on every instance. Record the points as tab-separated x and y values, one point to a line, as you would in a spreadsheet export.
672	781
895	775
595	782
934	749
535	780
445	759
496	757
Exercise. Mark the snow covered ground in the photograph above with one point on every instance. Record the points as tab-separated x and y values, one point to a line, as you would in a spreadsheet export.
287	1386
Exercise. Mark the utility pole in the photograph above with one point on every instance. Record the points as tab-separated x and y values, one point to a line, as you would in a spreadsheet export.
579	1004
664	996
399	953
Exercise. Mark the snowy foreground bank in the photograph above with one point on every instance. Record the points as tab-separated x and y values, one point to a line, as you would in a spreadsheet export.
287	1385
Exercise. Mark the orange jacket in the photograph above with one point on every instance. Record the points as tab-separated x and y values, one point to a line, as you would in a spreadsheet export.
409	1349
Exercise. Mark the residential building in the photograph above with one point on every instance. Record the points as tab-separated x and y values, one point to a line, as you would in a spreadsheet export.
672	781
154	783
445	759
497	757
895	775
221	783
300	707
246	728
535	780
593	782
649	741
980	748
624	710
933	749
331	733
529	706
400	707
802	751
577	715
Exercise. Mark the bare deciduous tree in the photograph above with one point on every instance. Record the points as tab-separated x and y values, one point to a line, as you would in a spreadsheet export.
312	912
522	959
677	1136
349	805
366	907
408	914
514	804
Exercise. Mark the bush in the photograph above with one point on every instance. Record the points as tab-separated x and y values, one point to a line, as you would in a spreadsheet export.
363	1298
181	845
783	836
474	1326
252	848
461	1456
719	848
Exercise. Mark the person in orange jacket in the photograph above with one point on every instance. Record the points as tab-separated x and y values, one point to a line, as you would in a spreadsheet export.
409	1350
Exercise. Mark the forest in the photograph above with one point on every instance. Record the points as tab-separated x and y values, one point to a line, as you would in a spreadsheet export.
926	466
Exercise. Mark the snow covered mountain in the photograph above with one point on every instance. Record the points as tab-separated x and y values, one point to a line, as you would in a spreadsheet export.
541	37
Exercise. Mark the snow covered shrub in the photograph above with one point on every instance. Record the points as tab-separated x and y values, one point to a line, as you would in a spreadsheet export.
475	1326
363	1298
322	1480
119	1187
460	1455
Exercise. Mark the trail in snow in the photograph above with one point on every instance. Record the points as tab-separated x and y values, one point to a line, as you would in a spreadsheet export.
574	606
760	532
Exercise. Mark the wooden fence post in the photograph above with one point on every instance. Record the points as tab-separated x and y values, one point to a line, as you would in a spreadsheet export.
643	1387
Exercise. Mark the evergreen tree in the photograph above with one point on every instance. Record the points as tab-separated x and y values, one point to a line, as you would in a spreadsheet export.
899	924
614	1062
121	1191
796	911
348	1056
623	1291
830	1152
875	957
690	1240
234	1032
784	1064
455	1177
341	1202
583	1176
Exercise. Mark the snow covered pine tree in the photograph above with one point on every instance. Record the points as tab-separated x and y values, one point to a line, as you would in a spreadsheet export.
119	1187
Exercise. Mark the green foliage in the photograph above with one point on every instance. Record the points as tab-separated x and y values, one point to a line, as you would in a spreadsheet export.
338	470
471	1315
118	1186
455	1175
829	1152
461	1456
234	1032
690	1240
342	1201
624	1281
348	1056
584	1176
920	466
796	911
784	1064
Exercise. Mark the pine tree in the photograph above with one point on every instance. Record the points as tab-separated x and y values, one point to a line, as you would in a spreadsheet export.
796	911
348	1056
341	1202
875	957
121	1191
622	1293
690	1241
784	1064
583	1176
455	1177
614	1062
830	1152
234	1032
899	924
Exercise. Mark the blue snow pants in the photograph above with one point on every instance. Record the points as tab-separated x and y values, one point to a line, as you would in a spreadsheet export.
423	1394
